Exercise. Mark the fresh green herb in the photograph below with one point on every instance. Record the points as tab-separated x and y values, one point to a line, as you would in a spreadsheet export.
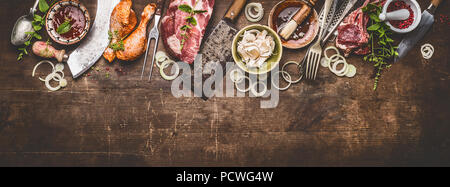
43	6
116	46
64	27
38	23
382	48
190	21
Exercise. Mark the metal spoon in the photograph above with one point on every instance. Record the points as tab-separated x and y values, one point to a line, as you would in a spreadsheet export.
22	26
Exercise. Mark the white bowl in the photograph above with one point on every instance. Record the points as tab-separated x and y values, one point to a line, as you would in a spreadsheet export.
417	15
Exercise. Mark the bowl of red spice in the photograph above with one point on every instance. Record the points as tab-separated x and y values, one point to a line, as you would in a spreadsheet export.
403	26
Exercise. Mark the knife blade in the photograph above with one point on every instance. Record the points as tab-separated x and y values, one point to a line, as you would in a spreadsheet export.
217	46
90	50
413	37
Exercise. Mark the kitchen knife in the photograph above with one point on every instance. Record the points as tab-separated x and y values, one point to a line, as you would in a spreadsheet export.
96	42
413	37
217	47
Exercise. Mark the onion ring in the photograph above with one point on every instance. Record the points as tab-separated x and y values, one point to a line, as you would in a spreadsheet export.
255	92
164	65
284	76
241	90
329	48
238	73
50	77
249	14
341	72
63	83
160	57
57	71
277	87
427	51
38	64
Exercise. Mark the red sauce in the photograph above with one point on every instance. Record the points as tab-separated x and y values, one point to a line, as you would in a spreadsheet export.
77	21
401	24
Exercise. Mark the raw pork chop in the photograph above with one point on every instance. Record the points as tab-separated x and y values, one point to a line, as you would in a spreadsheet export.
175	19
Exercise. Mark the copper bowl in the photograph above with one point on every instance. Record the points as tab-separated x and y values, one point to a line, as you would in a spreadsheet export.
311	33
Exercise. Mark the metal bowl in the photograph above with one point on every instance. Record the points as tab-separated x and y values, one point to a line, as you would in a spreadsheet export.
309	36
51	30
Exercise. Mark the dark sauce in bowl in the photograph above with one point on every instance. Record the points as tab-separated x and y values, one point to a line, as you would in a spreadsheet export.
77	21
283	18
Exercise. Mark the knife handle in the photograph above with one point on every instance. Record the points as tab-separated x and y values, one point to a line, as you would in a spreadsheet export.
235	9
436	2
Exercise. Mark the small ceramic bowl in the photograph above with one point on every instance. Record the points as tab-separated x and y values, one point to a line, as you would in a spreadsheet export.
417	15
310	34
52	16
271	63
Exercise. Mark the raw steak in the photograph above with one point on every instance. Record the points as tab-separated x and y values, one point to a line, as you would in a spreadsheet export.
172	34
352	32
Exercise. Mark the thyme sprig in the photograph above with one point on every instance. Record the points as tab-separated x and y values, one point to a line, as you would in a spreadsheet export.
382	46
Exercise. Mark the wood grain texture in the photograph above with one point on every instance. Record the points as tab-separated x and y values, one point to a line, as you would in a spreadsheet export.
121	121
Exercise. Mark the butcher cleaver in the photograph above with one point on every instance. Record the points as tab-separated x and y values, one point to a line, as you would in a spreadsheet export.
217	47
90	50
413	37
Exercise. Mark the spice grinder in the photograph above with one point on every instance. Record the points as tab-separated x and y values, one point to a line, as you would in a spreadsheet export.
403	26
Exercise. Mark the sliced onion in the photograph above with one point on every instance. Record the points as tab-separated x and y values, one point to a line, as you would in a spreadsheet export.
242	90
285	77
339	72
63	83
255	91
59	67
289	82
254	17
236	76
38	64
330	48
324	62
57	71
351	71
160	57
166	64
49	78
427	51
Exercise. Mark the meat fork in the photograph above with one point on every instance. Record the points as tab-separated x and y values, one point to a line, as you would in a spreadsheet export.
154	34
315	51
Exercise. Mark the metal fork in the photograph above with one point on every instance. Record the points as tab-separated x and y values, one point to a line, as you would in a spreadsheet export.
315	51
154	34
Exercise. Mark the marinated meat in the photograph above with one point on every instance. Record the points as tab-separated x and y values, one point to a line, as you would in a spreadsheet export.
123	21
174	19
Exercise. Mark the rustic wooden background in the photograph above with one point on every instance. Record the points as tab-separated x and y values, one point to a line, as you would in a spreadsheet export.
121	121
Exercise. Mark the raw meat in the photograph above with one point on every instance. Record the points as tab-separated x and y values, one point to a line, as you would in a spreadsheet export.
172	34
352	32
